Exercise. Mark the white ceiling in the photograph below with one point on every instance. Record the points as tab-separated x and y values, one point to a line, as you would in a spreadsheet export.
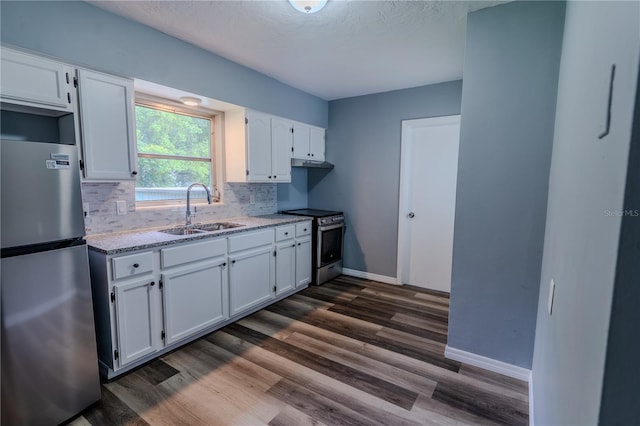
349	48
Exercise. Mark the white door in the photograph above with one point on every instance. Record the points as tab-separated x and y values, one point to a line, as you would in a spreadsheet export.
428	180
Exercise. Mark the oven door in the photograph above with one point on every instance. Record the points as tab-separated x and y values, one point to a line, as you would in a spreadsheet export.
329	244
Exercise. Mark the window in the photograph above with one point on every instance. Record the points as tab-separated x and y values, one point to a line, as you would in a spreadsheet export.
175	149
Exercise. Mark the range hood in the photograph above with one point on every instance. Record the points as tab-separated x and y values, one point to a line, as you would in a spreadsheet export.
298	162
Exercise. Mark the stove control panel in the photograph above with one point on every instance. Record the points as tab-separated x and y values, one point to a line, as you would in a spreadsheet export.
331	220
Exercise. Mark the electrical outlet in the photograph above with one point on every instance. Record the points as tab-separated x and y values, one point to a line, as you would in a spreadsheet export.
552	291
252	199
85	209
121	207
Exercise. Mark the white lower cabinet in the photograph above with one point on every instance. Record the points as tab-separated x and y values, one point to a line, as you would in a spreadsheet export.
136	310
149	302
304	252
194	298
285	267
303	261
251	278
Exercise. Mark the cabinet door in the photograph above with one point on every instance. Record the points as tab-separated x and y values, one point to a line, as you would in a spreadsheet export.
194	298
29	79
251	278
107	126
281	145
258	147
303	262
316	144
285	267
301	134
136	312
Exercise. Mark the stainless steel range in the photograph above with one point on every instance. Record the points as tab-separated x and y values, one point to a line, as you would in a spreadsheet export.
327	242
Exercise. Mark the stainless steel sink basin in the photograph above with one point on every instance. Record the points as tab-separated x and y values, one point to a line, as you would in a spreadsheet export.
201	228
182	230
218	226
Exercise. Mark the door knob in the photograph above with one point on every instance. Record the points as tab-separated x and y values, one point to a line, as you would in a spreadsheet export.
411	215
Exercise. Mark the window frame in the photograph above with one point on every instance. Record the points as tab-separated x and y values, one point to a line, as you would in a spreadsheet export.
216	118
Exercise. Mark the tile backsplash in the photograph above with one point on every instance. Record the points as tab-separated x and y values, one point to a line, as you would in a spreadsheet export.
102	197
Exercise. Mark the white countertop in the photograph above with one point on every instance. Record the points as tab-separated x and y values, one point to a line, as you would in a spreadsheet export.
124	242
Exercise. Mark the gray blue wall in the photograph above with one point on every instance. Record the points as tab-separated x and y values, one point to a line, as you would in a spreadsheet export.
621	387
294	195
82	34
508	102
583	251
363	141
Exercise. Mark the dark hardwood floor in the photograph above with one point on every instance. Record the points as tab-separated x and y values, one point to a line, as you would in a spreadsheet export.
349	352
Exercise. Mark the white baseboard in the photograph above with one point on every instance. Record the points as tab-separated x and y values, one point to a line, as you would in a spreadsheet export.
487	363
531	420
370	276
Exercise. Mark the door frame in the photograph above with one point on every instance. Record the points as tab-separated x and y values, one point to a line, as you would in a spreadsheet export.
405	173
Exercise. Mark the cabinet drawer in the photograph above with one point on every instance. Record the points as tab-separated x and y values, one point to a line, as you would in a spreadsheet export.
134	264
285	232
303	228
250	240
192	252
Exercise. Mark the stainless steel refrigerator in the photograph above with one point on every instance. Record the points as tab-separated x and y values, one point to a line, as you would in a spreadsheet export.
49	360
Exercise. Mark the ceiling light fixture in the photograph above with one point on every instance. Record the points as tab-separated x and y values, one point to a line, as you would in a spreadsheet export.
308	6
188	100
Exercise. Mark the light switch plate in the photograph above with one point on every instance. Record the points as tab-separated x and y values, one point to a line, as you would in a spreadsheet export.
552	291
121	207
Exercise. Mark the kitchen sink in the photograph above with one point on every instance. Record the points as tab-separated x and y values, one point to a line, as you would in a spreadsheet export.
218	226
182	230
201	228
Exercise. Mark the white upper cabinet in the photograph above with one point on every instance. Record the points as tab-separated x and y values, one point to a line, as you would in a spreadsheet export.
301	134
281	147
34	81
107	126
316	143
257	147
308	142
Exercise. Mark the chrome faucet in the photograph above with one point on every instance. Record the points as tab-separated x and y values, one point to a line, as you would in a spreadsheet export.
189	214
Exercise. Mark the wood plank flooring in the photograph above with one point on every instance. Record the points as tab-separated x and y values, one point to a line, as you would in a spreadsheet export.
349	352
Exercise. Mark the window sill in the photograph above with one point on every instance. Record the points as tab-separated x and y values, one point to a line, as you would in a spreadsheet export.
145	206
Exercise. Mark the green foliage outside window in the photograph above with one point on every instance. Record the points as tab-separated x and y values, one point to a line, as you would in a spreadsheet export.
162	135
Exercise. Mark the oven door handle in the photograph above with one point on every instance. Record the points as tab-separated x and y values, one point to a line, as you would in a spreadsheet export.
330	227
